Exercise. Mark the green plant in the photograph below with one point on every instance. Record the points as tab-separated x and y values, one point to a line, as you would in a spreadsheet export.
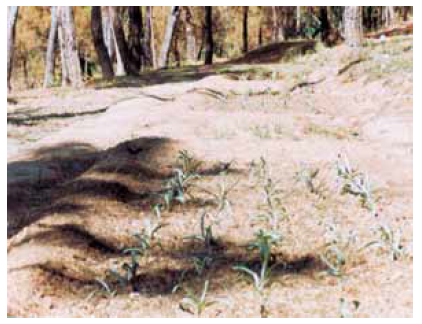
345	310
196	304
338	251
390	241
177	187
205	235
188	163
264	241
356	183
201	263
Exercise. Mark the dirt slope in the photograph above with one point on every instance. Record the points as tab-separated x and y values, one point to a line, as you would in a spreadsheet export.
78	192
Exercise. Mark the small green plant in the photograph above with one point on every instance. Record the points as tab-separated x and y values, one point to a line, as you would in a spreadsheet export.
345	310
390	241
338	251
356	183
196	304
205	235
177	187
201	263
264	241
103	289
188	163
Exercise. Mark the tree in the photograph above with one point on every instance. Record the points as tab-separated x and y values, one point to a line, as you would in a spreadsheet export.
100	47
209	43
130	67
245	30
50	57
12	16
353	26
134	36
108	34
390	16
149	37
168	36
190	35
70	58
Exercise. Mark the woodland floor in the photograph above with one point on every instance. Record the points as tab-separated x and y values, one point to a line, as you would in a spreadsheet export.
85	167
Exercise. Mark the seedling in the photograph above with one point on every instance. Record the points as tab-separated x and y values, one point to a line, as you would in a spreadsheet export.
389	241
205	235
336	253
356	183
196	304
264	241
178	186
345	310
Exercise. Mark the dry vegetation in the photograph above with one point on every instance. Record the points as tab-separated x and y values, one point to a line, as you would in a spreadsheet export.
279	190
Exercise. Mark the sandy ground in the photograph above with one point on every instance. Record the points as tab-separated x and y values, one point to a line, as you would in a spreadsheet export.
85	167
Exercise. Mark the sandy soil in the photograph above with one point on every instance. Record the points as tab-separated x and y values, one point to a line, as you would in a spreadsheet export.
86	167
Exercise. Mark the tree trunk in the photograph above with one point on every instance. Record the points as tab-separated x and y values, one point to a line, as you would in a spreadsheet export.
168	36
353	26
275	31
190	36
298	20
12	16
100	47
50	57
209	43
108	34
130	67
390	16
245	31
63	54
71	52
135	35
149	37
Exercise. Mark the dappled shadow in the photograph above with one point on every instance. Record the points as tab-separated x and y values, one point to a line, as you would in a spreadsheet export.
161	279
70	178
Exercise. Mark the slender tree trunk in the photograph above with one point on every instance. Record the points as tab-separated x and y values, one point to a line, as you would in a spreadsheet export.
130	67
149	39
353	26
108	34
63	54
298	19
390	16
245	30
275	35
168	36
209	42
50	57
120	71
190	36
100	47
12	16
71	52
135	35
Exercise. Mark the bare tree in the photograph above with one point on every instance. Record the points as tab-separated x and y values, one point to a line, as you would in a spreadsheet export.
168	36
100	47
390	18
134	36
353	26
275	31
209	43
50	57
69	48
108	34
12	16
245	30
190	35
149	36
130	67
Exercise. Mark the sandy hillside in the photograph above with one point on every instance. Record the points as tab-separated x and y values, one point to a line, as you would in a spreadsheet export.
86	168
